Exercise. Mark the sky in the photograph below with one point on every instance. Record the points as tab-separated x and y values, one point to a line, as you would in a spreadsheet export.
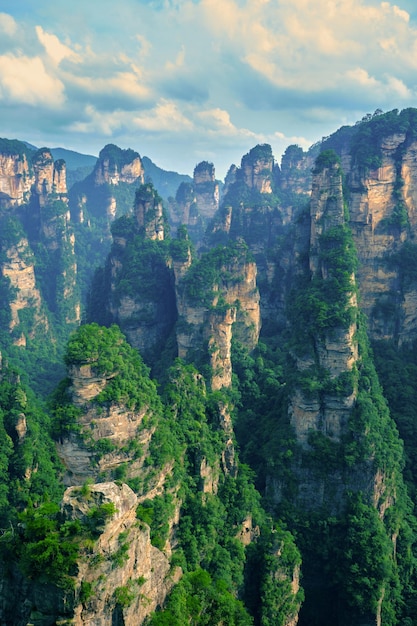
182	81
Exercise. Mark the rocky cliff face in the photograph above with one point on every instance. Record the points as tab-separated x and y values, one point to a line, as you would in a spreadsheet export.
126	591
84	457
196	203
296	167
329	359
126	577
109	190
149	213
382	209
15	179
257	169
230	307
49	177
18	268
333	350
383	217
335	401
142	299
115	166
120	579
37	198
206	190
25	175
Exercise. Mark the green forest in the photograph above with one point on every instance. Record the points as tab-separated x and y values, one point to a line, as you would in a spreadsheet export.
246	396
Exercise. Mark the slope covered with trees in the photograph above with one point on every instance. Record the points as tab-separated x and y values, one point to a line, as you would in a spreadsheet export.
267	476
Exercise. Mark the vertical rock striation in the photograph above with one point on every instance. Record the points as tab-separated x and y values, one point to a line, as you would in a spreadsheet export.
330	353
211	312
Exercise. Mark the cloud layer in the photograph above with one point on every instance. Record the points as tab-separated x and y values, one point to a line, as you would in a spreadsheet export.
182	80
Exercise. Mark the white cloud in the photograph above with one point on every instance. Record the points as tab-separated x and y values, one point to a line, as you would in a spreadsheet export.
166	116
7	24
397	11
308	46
361	76
56	50
217	122
179	61
397	86
145	45
96	122
122	83
25	80
212	75
217	119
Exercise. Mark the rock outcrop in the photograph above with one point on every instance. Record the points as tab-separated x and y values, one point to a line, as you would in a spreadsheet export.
126	439
257	168
115	166
329	361
120	577
148	212
36	221
142	298
25	298
128	577
196	203
382	215
206	190
332	349
228	307
49	177
16	177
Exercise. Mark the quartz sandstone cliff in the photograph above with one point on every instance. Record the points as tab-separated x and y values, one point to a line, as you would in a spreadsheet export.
196	203
144	309
18	268
16	179
233	310
116	424
335	351
143	572
328	394
37	196
98	193
121	589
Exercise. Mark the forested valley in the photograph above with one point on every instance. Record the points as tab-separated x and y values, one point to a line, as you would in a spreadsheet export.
208	388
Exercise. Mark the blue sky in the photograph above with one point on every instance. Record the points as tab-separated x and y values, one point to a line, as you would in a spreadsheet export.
183	81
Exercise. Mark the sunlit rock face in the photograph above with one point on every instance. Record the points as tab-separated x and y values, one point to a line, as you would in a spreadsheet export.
120	426
144	570
234	311
336	352
206	189
49	176
196	203
382	208
18	268
115	165
24	174
16	179
257	168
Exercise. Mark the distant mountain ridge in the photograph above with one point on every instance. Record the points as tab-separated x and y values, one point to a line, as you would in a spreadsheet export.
74	159
166	181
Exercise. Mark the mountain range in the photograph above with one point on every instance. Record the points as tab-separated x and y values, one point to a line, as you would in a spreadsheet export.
207	388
